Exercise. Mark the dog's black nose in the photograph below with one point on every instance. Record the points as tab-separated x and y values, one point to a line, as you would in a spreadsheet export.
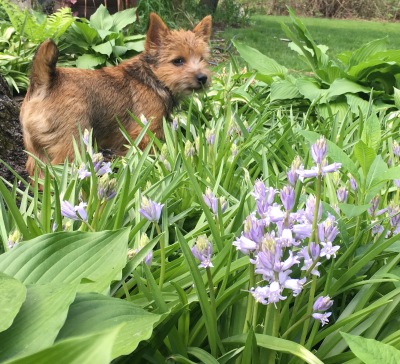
201	78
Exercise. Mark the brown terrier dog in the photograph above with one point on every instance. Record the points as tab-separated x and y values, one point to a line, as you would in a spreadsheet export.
59	101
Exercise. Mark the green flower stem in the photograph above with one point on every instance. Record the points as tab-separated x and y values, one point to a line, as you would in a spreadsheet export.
162	256
271	327
251	302
314	234
294	326
309	309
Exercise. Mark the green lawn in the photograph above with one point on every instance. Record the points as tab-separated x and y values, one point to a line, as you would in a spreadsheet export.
265	34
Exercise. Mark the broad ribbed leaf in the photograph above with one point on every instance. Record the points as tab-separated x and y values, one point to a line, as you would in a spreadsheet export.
371	134
365	155
39	320
89	61
104	48
259	61
372	351
396	97
123	18
352	210
367	50
311	89
101	19
358	104
94	313
80	350
12	296
69	256
374	177
344	86
284	90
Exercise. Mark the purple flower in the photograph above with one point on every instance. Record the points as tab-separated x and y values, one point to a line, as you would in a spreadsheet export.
107	188
310	209
328	250
292	176
296	285
396	148
254	228
302	231
202	251
74	212
150	210
189	149
210	136
322	303
353	183
373	210
175	124
260	190
245	245
211	201
342	194
397	183
287	197
327	230
323	317
318	150
83	172
394	216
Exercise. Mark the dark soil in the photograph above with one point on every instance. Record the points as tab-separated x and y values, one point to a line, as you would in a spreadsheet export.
11	142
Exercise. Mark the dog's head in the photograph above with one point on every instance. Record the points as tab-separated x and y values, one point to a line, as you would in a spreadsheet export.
179	57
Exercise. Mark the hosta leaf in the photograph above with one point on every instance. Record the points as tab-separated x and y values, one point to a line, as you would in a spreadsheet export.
374	177
284	90
92	313
371	134
137	46
12	296
123	18
358	104
39	320
343	86
101	19
259	61
104	48
367	50
311	89
371	351
352	210
396	97
89	61
78	350
365	155
69	256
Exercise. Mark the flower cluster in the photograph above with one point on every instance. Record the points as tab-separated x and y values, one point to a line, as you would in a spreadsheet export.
213	201
281	242
74	212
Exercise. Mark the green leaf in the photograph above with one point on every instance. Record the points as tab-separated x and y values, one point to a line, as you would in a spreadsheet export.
284	90
12	296
353	210
78	350
123	18
104	48
357	105
101	19
311	89
396	97
89	61
367	50
69	256
343	86
39	320
365	155
259	61
371	351
93	313
277	344
371	134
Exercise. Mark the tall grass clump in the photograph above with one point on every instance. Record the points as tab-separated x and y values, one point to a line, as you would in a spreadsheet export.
259	230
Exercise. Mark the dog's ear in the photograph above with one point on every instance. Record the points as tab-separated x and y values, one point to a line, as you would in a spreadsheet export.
157	30
203	29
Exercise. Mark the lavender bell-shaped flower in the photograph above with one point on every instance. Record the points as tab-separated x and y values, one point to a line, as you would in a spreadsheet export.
150	210
322	304
202	251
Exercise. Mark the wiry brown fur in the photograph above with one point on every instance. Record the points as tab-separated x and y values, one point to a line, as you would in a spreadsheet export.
59	100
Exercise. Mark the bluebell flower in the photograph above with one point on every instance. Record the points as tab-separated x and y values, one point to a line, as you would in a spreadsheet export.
202	251
150	210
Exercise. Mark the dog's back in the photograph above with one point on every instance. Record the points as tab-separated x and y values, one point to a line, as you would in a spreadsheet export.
60	101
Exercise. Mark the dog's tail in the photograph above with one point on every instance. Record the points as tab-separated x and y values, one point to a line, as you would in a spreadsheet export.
43	71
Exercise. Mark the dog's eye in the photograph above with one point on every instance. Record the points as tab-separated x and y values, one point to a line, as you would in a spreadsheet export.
178	61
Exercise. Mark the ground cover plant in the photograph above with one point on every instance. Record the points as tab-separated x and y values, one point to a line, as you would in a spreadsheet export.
262	229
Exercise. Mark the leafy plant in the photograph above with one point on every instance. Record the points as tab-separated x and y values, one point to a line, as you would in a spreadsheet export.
100	40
